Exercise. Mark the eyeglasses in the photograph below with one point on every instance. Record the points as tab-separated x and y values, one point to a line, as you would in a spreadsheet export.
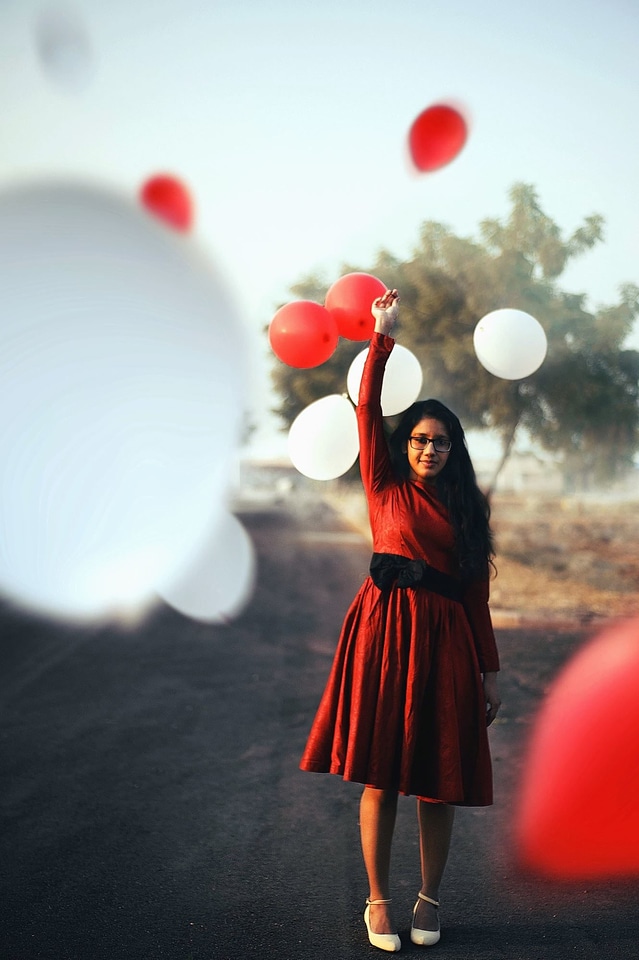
440	444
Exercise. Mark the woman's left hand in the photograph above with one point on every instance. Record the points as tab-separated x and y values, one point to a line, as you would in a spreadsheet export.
385	310
491	694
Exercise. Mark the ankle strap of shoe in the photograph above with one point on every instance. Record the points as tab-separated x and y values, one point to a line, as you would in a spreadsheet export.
422	896
369	902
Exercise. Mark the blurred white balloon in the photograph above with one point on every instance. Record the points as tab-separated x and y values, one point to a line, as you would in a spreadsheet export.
121	382
219	579
322	441
510	344
402	382
64	48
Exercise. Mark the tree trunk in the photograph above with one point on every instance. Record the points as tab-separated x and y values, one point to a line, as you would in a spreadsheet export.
507	440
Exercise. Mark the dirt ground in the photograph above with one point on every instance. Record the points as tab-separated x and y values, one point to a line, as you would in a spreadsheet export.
573	557
566	559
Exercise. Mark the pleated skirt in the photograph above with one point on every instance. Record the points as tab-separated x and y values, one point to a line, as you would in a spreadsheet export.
404	707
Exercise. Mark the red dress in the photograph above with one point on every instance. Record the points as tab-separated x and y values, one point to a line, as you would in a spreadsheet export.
404	706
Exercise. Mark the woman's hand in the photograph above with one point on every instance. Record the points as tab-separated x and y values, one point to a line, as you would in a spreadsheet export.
493	702
385	310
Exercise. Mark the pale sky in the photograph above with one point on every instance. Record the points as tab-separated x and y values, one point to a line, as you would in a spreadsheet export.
287	119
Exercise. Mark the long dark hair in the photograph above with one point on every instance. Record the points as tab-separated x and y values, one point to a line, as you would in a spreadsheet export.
456	485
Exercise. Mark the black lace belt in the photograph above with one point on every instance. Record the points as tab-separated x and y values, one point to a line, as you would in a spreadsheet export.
388	567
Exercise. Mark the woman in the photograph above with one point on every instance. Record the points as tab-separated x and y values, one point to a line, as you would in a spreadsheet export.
413	684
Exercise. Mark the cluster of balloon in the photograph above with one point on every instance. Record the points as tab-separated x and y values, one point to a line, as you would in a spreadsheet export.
167	198
436	137
577	815
219	578
349	301
510	344
64	49
322	441
402	380
303	334
121	392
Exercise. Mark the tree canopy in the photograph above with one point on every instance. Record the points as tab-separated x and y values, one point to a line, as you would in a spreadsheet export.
581	404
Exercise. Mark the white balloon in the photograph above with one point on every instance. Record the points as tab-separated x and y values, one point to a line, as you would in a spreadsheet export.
322	441
219	579
510	343
64	49
121	384
402	382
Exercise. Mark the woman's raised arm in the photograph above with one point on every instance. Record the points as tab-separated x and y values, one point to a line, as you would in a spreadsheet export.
374	460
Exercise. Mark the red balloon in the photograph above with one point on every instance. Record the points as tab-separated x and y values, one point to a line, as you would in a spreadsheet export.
436	137
169	200
303	334
578	814
349	301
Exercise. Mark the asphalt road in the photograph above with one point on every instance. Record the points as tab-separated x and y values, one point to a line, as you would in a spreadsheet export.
152	806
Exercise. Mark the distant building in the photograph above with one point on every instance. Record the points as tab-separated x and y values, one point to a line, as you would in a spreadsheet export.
523	472
270	479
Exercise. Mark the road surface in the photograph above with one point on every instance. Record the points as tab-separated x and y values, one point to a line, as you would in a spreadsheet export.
152	805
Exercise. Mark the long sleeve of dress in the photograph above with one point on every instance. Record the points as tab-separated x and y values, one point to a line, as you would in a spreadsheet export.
475	602
374	460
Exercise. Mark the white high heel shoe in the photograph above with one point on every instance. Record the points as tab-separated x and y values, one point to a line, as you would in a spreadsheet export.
384	941
424	938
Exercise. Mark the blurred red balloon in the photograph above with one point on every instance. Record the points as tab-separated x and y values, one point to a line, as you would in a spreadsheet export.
349	301
578	814
436	137
303	334
169	200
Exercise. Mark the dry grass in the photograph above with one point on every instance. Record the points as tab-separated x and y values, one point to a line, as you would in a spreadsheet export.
574	557
557	558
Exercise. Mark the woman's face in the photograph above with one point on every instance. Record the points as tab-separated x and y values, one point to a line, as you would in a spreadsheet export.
427	463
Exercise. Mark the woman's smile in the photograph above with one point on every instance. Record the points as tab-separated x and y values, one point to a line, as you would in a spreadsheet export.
427	463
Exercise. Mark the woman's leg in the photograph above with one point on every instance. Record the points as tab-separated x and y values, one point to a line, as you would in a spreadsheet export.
377	811
435	831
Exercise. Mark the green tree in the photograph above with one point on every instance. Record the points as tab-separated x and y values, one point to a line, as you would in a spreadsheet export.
582	404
